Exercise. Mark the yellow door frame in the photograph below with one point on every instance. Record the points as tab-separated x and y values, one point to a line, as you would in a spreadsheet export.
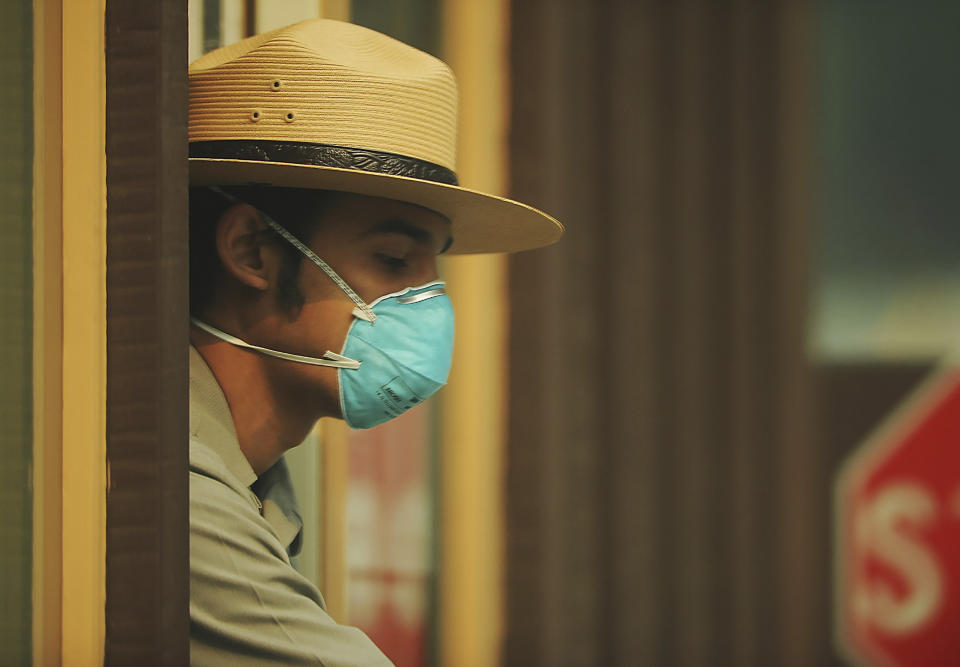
70	474
474	413
84	332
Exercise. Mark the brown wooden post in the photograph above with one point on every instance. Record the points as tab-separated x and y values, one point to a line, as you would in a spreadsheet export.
147	314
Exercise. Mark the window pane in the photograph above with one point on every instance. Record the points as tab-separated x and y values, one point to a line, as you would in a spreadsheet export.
888	278
16	192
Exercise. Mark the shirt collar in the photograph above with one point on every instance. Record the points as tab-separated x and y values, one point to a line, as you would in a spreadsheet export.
211	421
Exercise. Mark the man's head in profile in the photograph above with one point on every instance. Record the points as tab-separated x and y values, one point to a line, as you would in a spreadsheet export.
322	192
346	139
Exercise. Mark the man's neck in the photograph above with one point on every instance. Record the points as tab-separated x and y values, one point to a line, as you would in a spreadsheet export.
266	425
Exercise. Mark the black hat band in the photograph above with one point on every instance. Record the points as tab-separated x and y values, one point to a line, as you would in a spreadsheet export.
324	155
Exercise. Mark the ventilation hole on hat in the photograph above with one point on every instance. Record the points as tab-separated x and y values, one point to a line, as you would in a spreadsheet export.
255	115
276	84
290	116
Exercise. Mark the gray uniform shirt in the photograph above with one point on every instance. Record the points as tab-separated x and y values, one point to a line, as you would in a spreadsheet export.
248	605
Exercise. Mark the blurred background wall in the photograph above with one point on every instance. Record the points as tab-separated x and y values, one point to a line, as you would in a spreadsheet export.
664	500
760	262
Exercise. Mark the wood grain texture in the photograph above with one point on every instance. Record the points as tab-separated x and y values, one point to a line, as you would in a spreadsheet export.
147	415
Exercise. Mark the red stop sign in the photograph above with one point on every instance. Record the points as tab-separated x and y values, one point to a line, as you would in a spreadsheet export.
898	537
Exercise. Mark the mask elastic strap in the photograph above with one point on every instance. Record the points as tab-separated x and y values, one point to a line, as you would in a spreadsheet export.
363	311
331	359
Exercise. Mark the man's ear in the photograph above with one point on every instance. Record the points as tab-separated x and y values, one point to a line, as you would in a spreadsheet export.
242	246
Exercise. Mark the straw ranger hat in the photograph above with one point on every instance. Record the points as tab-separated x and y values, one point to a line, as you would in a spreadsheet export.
334	106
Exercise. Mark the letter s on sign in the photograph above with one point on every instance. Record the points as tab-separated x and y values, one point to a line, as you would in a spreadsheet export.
880	533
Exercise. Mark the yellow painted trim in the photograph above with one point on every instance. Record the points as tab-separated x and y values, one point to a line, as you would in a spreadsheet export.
473	433
84	333
334	477
47	326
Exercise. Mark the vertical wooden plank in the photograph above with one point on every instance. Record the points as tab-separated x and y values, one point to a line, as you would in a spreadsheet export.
147	516
691	275
749	214
634	482
47	330
84	334
552	49
805	485
472	408
529	569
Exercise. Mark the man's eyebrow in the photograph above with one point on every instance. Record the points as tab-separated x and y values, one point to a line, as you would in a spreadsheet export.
401	226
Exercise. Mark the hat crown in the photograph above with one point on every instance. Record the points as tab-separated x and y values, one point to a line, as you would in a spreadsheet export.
329	83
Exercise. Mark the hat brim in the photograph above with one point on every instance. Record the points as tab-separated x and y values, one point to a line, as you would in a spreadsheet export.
480	222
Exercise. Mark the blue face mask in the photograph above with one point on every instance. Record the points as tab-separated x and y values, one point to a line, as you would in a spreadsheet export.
404	355
397	351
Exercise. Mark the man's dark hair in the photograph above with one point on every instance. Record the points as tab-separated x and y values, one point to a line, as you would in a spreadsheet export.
296	209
